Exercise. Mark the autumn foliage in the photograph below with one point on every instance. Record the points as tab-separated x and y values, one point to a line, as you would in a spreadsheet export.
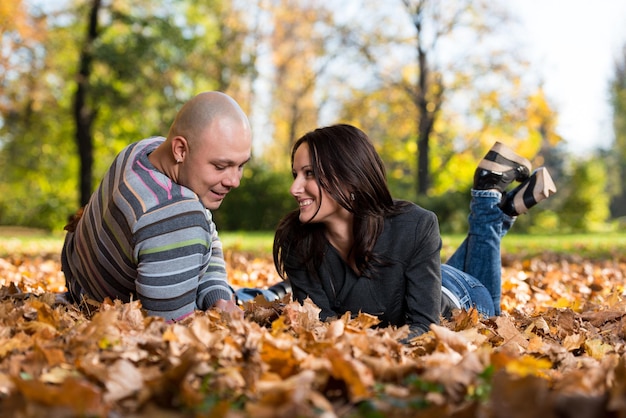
557	351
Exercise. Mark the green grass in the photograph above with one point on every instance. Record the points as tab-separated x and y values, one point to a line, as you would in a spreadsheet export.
27	241
257	242
589	246
594	246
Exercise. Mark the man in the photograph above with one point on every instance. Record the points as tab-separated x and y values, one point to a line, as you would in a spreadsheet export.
147	232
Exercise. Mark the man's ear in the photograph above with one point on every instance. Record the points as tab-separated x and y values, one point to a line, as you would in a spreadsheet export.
180	147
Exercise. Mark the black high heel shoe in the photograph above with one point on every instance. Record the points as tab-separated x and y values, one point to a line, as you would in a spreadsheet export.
539	186
500	167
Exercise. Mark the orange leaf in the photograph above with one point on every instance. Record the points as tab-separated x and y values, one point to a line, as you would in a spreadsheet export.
78	395
357	376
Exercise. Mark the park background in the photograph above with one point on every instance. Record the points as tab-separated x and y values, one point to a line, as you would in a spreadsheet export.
433	83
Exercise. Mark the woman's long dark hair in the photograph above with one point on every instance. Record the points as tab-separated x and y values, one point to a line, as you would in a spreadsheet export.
347	166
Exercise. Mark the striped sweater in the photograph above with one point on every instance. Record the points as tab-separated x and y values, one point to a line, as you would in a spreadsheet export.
142	236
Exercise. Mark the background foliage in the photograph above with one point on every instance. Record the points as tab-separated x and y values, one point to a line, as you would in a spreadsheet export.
401	71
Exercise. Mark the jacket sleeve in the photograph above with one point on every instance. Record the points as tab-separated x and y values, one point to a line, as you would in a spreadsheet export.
304	286
423	274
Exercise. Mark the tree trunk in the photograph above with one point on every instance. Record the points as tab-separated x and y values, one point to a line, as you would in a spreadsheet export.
425	122
83	112
423	153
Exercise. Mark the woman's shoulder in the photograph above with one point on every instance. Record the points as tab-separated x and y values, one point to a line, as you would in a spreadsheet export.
411	224
407	211
411	217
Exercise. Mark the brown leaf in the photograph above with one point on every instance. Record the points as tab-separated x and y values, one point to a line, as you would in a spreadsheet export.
123	380
514	340
358	377
80	396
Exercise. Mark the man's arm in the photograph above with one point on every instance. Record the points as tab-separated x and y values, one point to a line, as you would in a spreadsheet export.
176	271
213	288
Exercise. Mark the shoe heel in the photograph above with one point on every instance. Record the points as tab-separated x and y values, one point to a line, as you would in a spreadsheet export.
499	168
538	187
505	156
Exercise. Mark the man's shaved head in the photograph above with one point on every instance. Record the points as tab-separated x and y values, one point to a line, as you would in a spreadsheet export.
199	112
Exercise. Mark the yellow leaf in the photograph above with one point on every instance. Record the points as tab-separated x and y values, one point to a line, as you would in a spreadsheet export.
279	357
528	365
566	303
597	349
279	326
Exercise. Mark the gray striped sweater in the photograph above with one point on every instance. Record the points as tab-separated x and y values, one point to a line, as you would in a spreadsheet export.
142	236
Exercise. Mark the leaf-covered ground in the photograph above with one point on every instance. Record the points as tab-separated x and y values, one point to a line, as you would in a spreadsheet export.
557	351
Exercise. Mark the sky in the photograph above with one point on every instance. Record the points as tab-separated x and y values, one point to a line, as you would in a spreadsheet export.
573	45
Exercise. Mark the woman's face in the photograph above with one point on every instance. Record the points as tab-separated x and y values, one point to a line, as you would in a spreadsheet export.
309	195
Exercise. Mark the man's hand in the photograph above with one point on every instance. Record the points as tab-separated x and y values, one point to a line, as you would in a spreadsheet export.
229	306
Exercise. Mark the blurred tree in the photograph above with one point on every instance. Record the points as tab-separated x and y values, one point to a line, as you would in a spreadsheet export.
381	114
21	33
524	121
517	116
85	112
153	56
296	47
433	21
585	206
305	40
357	63
459	84
35	167
617	155
146	60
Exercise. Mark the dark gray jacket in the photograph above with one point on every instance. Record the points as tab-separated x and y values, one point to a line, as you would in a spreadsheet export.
406	288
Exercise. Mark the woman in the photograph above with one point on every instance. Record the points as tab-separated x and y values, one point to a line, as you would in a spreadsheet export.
351	247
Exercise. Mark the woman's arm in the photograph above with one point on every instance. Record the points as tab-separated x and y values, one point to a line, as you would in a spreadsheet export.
423	273
303	286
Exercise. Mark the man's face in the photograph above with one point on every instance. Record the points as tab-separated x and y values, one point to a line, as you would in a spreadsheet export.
214	163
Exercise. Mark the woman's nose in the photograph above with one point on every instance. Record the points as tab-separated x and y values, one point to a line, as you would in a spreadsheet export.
296	187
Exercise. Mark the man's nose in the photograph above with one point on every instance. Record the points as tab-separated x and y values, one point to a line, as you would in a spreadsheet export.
233	177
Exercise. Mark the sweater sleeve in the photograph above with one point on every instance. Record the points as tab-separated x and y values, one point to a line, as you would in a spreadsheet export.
213	284
180	266
423	293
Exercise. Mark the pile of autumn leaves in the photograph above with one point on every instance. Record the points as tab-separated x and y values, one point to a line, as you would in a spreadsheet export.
558	350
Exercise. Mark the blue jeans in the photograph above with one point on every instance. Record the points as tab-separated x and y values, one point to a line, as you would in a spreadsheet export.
474	272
